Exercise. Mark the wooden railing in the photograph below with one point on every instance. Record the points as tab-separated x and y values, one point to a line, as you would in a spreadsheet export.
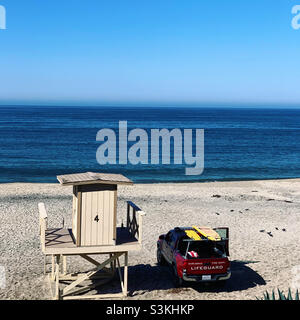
134	224
43	224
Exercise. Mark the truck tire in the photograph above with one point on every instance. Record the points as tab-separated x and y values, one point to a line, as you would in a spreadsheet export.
161	261
178	282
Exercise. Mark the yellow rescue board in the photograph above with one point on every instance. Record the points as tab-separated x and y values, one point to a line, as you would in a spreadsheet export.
192	234
208	233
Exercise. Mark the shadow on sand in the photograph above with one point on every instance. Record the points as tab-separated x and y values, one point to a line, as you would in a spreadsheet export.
242	278
146	278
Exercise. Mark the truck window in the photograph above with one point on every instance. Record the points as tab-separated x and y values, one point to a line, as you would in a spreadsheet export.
207	249
203	249
182	246
173	240
168	237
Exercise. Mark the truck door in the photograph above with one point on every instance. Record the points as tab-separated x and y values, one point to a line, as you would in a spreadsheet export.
224	234
173	245
166	246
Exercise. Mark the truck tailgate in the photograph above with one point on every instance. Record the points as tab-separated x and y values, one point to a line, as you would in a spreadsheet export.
207	266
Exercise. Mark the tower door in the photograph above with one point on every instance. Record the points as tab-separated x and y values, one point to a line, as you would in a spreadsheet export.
98	217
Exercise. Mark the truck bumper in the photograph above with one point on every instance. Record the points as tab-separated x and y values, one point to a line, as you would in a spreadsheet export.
214	277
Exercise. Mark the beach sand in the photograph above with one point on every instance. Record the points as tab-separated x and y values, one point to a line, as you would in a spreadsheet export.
263	218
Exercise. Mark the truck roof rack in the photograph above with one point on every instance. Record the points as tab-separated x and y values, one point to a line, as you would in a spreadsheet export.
201	240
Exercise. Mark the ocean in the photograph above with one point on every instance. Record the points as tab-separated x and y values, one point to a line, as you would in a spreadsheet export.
39	143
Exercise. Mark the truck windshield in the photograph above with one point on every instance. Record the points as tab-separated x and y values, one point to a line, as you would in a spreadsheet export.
201	249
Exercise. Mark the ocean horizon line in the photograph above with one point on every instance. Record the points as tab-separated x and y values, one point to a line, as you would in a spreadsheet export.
149	105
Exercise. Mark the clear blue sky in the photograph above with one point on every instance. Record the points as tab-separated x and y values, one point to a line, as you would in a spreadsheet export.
138	51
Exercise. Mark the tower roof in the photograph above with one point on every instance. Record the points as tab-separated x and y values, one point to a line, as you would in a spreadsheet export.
93	178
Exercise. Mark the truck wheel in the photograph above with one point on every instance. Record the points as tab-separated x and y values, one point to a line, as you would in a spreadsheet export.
161	261
178	282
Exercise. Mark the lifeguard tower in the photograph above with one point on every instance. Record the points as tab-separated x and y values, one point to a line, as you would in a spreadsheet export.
94	232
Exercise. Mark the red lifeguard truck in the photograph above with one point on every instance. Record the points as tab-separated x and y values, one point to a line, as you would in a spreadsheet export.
198	254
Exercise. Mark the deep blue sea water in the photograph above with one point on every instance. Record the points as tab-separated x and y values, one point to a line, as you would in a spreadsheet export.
38	143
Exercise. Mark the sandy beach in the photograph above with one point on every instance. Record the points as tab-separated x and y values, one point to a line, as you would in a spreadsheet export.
263	218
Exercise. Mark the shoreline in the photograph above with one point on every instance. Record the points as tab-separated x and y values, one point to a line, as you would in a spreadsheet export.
172	182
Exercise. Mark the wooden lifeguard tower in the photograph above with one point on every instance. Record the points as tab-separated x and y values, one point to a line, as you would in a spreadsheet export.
94	232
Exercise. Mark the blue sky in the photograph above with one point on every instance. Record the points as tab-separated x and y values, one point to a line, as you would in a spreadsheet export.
138	51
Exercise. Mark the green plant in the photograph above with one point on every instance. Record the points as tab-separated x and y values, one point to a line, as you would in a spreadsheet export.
280	296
